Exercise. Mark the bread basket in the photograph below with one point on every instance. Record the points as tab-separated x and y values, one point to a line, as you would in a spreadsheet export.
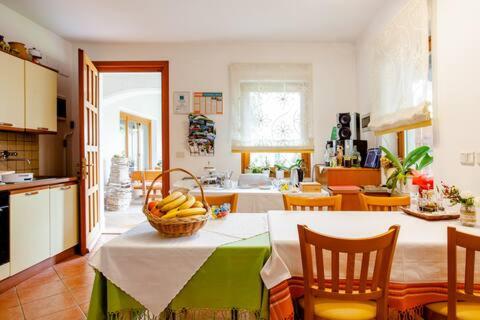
178	226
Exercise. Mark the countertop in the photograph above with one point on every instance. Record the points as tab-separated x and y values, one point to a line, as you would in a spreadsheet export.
38	182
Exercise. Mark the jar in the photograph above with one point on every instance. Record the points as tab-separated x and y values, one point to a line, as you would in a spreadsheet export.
468	215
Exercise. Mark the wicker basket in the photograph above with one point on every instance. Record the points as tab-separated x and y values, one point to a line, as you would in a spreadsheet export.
177	227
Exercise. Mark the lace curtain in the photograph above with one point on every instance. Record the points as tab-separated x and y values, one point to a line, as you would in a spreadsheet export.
401	92
271	107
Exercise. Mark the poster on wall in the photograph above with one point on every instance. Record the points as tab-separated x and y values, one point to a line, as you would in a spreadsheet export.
201	135
181	102
208	103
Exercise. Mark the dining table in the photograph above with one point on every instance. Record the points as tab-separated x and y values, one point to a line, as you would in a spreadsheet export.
419	268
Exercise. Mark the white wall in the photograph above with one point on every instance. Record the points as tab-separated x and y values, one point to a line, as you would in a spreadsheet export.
456	67
58	55
204	67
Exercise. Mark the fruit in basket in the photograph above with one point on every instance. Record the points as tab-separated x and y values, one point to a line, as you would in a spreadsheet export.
187	204
172	197
174	204
170	214
190	212
198	204
151	205
156	212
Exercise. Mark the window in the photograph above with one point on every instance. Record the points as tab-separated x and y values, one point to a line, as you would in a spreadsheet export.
270	159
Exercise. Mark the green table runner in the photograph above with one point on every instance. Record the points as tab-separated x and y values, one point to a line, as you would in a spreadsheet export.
227	286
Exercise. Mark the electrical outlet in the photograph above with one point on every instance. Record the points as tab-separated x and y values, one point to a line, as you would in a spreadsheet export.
467	158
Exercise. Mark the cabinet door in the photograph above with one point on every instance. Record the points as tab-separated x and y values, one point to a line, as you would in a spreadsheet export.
12	92
40	98
29	229
63	218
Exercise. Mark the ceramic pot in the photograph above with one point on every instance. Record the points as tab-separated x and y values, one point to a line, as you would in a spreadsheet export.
468	215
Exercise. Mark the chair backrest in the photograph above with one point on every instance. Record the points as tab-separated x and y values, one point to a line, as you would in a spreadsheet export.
471	244
232	199
150	175
373	203
136	176
303	203
371	285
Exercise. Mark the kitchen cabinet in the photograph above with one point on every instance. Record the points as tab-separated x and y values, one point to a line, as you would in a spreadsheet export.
40	98
12	92
29	228
63	218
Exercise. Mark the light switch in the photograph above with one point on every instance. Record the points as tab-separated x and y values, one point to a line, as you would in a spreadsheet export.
467	158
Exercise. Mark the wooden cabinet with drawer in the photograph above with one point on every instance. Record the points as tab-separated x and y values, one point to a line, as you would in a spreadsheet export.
63	218
12	92
29	228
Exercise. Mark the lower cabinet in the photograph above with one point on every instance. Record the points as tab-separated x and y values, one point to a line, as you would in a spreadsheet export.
63	218
29	229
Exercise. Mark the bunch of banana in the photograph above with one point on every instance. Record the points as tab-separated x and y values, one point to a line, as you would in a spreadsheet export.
178	205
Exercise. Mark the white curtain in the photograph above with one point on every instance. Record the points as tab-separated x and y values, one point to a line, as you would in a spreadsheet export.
401	89
271	107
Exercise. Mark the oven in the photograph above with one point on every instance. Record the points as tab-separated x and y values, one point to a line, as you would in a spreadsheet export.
4	229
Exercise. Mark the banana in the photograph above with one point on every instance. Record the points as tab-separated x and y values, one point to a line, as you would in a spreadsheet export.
173	204
187	204
198	204
190	212
175	195
171	214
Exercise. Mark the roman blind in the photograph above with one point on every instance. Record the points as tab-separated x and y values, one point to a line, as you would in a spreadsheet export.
271	107
401	89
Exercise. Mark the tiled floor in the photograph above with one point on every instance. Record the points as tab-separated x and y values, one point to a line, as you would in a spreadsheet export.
60	292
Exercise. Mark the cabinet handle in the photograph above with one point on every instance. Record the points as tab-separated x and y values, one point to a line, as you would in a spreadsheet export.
31	193
65	188
42	128
6	124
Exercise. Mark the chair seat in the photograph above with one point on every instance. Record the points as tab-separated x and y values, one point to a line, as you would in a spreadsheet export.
329	309
465	310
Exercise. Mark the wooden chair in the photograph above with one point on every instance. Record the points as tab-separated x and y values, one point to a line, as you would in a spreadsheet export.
232	199
301	203
355	299
462	303
141	180
371	203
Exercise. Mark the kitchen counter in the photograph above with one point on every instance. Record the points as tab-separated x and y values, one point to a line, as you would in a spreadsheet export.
38	182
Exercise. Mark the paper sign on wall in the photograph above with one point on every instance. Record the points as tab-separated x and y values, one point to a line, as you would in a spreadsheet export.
181	102
208	102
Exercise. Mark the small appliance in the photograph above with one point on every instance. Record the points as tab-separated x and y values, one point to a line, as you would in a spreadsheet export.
17	177
4	235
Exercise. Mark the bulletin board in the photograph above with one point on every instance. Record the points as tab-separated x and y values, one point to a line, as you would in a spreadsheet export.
208	103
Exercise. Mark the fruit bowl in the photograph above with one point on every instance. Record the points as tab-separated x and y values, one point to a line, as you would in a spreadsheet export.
179	214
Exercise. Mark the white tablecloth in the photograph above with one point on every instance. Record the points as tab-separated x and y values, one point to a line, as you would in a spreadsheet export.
255	199
153	269
420	256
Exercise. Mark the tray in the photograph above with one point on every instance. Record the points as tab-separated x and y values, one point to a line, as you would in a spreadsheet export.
430	216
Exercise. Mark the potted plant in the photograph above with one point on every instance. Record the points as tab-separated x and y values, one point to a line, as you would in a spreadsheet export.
280	171
401	170
468	212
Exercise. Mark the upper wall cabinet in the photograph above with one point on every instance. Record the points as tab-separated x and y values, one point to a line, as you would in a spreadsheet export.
40	98
12	92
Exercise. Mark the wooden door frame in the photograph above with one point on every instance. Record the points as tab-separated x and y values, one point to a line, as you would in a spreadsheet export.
131	117
149	66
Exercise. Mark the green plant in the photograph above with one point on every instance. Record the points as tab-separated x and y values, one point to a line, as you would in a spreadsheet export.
419	157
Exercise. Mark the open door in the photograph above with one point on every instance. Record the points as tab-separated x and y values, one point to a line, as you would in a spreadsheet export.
90	220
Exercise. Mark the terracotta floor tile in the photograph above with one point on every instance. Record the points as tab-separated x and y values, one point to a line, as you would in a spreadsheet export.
73	268
30	293
14	313
49	305
46	276
85	307
81	280
82	294
71	314
9	299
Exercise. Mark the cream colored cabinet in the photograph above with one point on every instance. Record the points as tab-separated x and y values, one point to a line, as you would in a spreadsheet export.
29	229
12	92
40	98
63	218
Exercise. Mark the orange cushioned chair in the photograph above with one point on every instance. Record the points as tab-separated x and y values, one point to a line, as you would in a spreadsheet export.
301	203
463	303
341	299
232	199
371	203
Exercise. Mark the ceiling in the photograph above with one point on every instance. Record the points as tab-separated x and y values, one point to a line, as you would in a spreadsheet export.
201	20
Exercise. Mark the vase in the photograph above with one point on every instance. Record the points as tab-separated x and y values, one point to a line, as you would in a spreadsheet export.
404	187
279	174
468	215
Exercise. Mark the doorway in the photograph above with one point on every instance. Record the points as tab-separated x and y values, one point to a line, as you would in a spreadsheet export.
125	108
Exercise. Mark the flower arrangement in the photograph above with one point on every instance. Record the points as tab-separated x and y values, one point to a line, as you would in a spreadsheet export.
456	197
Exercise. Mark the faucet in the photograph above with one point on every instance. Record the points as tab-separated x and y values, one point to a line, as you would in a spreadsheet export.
5	156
